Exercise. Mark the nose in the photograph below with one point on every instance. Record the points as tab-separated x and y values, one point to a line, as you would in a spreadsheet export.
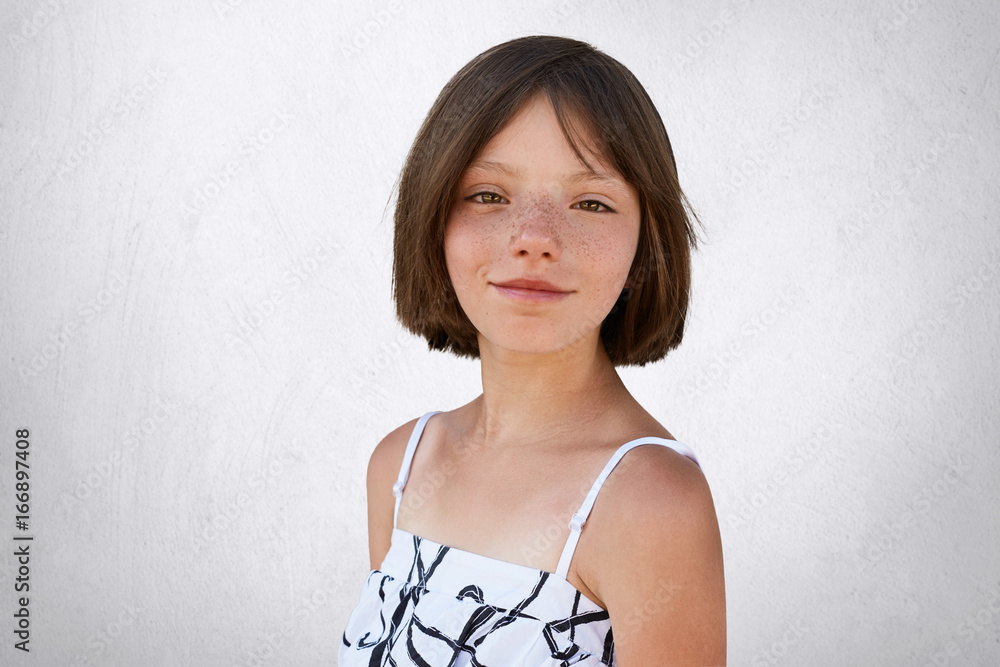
536	231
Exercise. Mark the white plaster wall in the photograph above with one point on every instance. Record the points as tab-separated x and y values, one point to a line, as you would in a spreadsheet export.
197	329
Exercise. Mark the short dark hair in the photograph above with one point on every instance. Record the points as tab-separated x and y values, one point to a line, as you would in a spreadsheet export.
477	103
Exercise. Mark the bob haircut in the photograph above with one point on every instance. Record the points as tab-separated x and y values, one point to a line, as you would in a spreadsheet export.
606	102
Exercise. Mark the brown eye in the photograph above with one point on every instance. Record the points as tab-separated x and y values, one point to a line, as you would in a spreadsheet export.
487	198
594	206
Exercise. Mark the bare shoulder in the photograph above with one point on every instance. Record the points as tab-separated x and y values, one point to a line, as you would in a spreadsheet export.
657	489
383	468
666	593
653	471
387	457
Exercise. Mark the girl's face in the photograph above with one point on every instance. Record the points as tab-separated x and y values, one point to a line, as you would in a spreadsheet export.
538	248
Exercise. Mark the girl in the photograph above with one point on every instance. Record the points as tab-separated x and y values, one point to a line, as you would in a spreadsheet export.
540	228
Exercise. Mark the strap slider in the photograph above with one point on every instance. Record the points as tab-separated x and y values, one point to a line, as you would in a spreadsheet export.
576	523
397	489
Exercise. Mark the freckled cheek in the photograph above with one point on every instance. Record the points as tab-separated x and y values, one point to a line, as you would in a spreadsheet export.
465	254
616	256
452	252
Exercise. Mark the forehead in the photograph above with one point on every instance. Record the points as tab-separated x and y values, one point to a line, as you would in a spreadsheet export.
534	135
598	175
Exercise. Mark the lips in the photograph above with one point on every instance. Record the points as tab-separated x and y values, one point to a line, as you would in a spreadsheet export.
526	289
537	285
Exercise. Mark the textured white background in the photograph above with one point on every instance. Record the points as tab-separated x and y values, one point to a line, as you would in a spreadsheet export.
196	323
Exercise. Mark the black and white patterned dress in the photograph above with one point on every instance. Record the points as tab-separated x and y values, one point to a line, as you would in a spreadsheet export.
431	605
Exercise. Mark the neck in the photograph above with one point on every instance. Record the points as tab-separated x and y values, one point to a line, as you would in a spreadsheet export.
531	398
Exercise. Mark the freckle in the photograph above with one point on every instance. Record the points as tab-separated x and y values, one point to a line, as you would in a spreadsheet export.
538	205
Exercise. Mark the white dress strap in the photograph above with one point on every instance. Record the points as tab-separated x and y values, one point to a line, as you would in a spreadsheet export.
404	469
580	517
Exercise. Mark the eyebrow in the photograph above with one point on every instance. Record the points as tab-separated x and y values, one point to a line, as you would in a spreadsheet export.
584	175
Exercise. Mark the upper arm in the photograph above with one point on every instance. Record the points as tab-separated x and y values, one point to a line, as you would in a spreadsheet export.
666	594
383	469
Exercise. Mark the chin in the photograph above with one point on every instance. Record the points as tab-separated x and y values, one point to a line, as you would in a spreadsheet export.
540	344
